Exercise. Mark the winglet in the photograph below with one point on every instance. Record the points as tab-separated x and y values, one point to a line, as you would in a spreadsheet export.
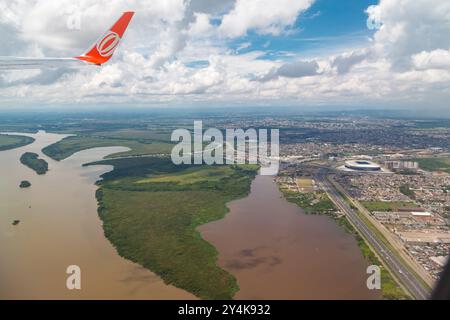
104	48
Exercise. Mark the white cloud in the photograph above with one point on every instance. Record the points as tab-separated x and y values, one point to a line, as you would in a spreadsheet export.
211	6
296	69
173	53
436	59
263	16
201	27
345	62
46	22
410	27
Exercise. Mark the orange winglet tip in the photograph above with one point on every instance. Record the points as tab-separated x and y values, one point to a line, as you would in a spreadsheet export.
104	48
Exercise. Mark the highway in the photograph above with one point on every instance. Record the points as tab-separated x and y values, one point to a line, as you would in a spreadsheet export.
392	261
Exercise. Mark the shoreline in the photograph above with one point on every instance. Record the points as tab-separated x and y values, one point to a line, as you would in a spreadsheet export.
393	290
69	229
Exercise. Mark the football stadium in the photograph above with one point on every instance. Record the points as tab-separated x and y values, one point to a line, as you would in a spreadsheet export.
362	165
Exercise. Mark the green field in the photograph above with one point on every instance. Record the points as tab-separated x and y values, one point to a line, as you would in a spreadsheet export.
32	161
310	202
385	205
151	209
70	145
8	142
190	176
434	164
144	136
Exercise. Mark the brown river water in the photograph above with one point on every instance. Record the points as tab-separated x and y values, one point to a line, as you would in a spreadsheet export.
60	227
277	252
273	249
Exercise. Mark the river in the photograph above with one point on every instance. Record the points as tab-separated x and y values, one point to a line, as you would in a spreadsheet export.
273	249
59	227
276	251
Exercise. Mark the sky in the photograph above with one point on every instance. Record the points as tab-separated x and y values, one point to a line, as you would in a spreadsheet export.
386	53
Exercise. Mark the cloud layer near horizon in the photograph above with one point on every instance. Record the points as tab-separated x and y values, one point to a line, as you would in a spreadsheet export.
180	52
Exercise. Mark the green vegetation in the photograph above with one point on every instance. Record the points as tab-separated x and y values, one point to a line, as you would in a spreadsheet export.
385	205
8	142
190	176
15	222
32	161
396	292
151	209
389	287
434	164
310	202
143	136
25	184
406	190
70	145
393	294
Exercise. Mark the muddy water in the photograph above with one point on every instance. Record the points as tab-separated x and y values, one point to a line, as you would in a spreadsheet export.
277	252
59	226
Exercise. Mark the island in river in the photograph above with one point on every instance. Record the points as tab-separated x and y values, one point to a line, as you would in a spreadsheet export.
58	229
151	209
158	214
25	184
32	161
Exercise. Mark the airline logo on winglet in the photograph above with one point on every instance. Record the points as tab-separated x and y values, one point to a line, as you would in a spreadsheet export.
104	48
108	44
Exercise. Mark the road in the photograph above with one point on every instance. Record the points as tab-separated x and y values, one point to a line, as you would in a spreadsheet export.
391	260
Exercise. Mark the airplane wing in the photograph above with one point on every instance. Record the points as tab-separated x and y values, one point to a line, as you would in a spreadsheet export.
14	63
99	53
